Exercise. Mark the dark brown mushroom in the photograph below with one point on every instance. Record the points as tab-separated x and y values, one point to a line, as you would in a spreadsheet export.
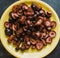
29	43
39	22
15	8
53	24
44	30
15	26
7	24
47	23
25	28
26	39
52	34
38	34
22	19
29	23
49	28
39	45
40	17
30	12
44	42
43	35
10	38
17	45
24	7
49	40
33	42
35	7
18	32
42	12
14	15
48	15
24	47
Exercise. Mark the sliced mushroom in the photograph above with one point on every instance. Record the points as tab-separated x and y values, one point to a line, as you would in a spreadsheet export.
49	28
39	45
43	35
10	38
53	24
15	26
22	19
38	34
52	34
29	23
39	22
7	24
30	12
42	12
49	40
35	7
26	39
33	42
25	28
47	23
40	17
15	8
24	7
18	32
48	15
14	15
44	42
44	30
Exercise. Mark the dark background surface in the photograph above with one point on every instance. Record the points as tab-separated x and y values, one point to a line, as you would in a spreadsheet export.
54	3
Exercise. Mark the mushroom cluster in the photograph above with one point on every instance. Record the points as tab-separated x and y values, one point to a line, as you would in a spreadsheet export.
29	27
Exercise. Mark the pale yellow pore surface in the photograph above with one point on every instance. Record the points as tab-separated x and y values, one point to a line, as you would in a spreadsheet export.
29	53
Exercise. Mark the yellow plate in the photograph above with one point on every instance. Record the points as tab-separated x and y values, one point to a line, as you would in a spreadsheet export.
30	53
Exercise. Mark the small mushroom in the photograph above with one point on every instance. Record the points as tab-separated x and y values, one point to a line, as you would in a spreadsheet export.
47	23
49	40
33	42
49	28
29	23
8	31
30	12
44	42
7	24
52	34
15	26
15	8
14	15
10	38
39	45
48	15
22	19
24	7
39	22
38	34
53	24
35	7
42	12
44	30
25	28
26	39
18	32
37	13
28	43
40	17
43	35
